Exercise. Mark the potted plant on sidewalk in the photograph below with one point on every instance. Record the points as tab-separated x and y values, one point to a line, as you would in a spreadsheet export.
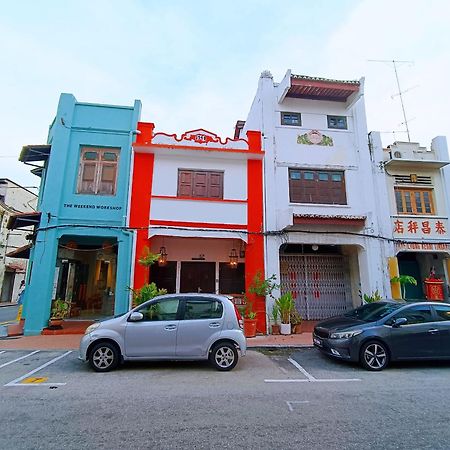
285	304
296	321
275	324
60	311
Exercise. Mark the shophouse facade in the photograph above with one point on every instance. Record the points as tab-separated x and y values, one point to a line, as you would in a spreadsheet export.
320	211
14	199
413	182
197	201
82	251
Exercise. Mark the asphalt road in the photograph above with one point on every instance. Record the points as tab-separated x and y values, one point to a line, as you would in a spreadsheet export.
277	400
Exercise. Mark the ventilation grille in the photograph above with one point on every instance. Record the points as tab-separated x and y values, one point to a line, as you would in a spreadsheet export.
413	179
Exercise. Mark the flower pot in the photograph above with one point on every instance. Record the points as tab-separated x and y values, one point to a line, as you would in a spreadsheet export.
297	328
275	329
285	328
250	327
55	324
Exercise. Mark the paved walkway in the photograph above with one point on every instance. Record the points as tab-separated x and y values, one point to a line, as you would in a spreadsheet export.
72	341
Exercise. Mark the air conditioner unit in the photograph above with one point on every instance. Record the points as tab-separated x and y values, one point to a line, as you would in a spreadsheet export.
397	154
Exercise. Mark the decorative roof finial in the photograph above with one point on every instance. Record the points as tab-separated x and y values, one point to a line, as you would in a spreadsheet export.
266	74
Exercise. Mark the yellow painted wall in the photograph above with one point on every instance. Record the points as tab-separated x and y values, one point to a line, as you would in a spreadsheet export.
394	272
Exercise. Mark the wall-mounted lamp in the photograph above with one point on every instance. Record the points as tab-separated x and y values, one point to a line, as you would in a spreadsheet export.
315	247
233	258
162	260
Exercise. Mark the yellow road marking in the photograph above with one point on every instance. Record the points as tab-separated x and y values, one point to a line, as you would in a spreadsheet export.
35	380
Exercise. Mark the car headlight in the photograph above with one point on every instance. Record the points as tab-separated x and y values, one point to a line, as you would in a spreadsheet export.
345	334
92	328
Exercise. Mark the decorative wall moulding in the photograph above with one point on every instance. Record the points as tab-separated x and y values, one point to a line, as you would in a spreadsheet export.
315	137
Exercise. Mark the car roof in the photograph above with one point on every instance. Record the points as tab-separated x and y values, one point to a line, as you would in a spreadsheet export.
195	295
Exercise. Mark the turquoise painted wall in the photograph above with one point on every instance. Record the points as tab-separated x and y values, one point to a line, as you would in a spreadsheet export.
64	212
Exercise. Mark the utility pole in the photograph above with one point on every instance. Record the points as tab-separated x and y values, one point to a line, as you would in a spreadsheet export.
394	63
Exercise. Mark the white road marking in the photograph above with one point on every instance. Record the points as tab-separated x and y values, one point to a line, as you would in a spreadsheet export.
3	351
291	403
18	359
17	381
310	378
295	380
302	370
283	369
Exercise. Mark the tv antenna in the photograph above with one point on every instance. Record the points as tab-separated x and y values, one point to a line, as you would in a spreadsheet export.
394	63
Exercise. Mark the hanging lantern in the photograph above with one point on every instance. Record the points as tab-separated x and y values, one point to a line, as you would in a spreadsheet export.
233	258
162	260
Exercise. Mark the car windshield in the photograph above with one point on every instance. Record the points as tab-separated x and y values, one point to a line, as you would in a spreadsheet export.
373	311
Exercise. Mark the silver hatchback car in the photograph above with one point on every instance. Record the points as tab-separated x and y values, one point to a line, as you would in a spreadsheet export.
168	327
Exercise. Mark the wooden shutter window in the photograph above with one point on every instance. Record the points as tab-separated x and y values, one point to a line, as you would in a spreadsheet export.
200	184
324	187
185	183
98	171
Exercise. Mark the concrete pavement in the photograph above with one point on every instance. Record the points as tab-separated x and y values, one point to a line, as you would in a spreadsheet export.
72	342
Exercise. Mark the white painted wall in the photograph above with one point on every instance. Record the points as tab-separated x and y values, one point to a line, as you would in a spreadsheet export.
198	211
17	199
350	153
165	175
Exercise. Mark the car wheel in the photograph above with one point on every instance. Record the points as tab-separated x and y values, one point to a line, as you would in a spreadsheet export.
374	356
104	357
224	356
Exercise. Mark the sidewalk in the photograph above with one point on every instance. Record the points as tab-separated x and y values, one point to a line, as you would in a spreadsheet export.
72	342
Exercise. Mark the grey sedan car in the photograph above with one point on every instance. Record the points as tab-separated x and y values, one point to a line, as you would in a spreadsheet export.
379	332
168	327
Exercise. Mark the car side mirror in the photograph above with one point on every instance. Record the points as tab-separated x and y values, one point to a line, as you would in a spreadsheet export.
399	322
135	316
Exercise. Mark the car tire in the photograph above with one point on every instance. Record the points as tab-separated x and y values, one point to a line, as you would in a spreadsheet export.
224	356
104	357
374	356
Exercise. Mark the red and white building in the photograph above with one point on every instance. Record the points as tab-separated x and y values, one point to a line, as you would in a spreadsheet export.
198	201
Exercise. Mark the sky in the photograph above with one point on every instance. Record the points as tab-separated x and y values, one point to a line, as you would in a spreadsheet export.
197	64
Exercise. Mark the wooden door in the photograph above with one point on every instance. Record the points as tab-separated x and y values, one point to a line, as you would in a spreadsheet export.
198	277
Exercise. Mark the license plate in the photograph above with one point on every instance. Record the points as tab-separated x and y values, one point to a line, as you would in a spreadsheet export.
317	342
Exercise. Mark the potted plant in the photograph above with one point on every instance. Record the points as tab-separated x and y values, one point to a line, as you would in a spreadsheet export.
249	320
285	304
275	324
146	292
60	310
296	321
404	280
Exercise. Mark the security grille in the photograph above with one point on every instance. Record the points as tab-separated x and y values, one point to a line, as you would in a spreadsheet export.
320	284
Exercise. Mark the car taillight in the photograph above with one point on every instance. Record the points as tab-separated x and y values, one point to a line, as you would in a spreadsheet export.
239	317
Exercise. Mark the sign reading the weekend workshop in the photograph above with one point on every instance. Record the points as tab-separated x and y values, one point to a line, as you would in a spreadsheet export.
86	206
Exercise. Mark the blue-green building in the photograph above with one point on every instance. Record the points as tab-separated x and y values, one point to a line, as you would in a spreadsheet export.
82	251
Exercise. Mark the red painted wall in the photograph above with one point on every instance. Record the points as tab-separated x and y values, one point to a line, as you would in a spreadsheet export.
254	255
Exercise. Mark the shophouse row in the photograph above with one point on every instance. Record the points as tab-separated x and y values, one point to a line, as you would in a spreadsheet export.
301	191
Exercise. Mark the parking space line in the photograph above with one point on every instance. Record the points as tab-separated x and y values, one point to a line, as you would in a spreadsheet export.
302	370
17	381
295	380
2	351
291	403
18	359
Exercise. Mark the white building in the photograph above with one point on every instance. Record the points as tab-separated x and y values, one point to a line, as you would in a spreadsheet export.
414	182
13	199
320	201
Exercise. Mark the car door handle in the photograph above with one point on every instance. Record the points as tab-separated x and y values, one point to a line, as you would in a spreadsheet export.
170	327
433	330
214	325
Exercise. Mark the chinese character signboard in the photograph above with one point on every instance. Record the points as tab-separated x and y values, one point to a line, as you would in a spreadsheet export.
413	228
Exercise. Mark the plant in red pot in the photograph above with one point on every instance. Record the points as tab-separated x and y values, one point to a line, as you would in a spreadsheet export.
249	321
275	324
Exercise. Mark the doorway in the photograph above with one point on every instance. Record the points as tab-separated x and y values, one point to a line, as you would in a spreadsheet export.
198	277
